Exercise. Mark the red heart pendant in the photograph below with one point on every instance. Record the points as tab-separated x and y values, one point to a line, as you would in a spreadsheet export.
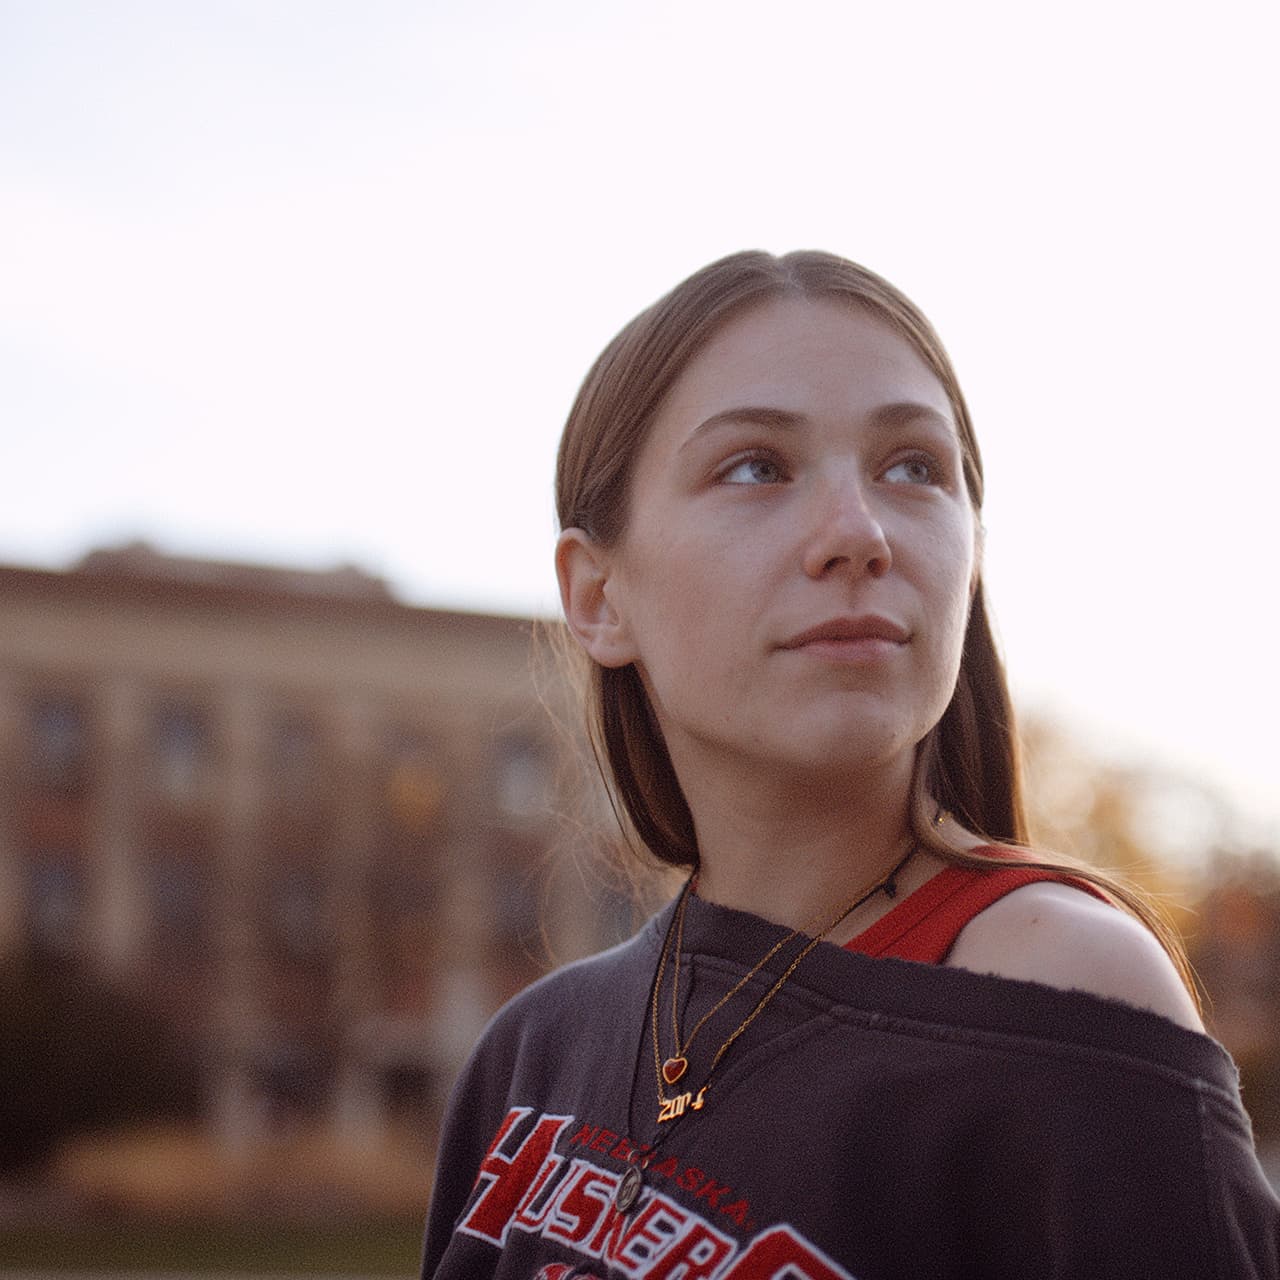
674	1068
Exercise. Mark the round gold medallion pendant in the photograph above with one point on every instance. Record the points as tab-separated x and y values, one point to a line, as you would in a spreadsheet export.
674	1068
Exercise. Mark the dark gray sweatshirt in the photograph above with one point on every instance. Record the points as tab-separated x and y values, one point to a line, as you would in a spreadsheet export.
879	1119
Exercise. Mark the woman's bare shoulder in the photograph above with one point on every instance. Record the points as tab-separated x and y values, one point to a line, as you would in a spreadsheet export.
1063	937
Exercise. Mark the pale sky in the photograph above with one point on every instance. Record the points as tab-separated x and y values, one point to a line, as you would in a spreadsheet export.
313	282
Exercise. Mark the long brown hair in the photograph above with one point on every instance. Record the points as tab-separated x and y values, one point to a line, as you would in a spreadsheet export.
969	761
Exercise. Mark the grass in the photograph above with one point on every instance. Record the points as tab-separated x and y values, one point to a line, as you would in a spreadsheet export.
329	1247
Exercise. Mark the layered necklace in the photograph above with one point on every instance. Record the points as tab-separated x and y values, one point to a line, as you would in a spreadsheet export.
671	1070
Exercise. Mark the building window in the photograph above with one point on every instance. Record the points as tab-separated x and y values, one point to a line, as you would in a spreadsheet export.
405	933
56	898
293	1082
179	891
296	921
296	758
58	744
413	787
182	745
301	793
515	895
523	782
402	886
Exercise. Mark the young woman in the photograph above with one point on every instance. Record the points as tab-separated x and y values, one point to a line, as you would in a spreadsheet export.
874	1036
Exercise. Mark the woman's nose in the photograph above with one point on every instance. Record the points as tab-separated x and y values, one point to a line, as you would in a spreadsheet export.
847	534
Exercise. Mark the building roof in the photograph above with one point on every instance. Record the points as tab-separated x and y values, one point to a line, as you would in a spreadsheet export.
140	575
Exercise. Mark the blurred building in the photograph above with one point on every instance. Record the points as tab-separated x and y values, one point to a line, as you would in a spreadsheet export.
310	823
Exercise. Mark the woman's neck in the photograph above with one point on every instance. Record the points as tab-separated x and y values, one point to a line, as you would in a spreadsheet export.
791	852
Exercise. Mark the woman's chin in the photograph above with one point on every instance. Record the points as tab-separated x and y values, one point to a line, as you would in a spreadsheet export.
839	759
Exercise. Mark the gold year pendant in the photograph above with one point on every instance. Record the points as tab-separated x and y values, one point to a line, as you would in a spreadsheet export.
670	1108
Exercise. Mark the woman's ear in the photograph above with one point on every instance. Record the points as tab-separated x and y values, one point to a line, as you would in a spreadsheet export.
583	569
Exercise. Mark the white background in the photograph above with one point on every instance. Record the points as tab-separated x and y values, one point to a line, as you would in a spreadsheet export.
310	282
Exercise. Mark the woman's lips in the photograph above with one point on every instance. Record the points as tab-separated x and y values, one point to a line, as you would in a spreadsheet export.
864	638
852	629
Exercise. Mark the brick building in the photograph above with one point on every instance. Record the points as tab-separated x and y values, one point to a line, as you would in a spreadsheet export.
314	825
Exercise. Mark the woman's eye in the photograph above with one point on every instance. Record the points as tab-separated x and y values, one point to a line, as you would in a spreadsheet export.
755	470
916	470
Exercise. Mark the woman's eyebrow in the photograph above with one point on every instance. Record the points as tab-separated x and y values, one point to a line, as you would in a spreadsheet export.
908	413
746	415
887	417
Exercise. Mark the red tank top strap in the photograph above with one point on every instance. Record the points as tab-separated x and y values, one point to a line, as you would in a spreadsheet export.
925	924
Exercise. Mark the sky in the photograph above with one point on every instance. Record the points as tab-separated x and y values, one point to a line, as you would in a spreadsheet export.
310	282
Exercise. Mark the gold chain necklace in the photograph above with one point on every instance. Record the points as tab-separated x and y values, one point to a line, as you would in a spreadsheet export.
673	1068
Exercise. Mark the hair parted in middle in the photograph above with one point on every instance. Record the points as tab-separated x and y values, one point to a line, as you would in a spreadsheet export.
969	762
972	772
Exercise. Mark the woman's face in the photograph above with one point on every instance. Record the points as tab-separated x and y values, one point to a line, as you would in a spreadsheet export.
794	578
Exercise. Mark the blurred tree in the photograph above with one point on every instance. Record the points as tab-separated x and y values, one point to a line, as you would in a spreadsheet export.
1236	951
1120	817
1175	838
77	1054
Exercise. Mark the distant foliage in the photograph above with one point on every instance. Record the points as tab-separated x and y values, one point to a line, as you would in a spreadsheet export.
77	1054
1176	838
1236	950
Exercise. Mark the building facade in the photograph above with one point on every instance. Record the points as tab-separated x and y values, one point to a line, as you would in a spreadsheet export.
316	827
